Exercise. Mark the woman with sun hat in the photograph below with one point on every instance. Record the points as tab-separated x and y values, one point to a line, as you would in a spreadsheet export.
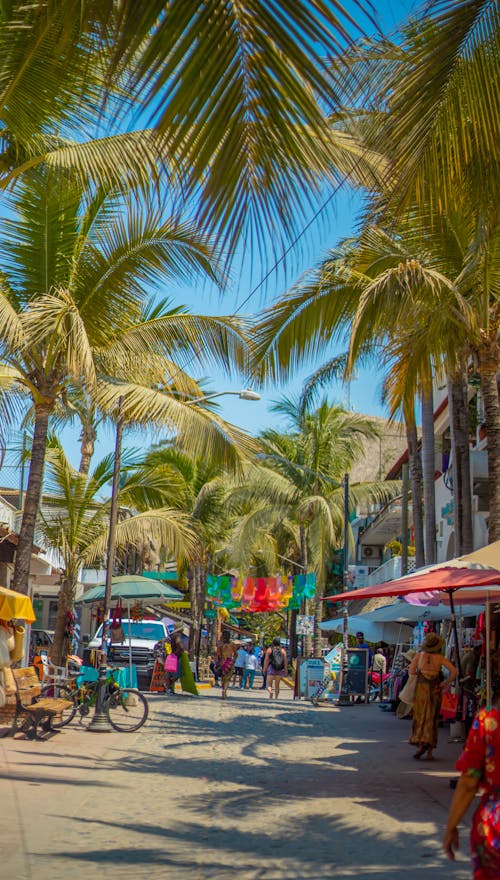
427	665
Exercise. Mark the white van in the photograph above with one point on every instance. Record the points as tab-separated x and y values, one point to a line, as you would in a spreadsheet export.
144	635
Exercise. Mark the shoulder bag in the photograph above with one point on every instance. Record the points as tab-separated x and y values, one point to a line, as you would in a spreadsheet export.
407	693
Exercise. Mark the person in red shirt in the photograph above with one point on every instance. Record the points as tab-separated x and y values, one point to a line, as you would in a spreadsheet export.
479	764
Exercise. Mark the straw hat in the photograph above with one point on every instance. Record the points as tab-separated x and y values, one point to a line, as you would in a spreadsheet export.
432	643
409	655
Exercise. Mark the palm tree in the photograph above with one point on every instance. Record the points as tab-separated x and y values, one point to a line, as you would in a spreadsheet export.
431	96
295	492
75	309
75	522
446	274
197	488
235	93
434	273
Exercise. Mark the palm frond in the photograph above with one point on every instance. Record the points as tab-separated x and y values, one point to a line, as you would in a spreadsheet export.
198	431
251	127
200	339
166	527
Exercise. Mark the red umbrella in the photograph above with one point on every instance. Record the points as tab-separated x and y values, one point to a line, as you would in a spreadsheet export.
446	579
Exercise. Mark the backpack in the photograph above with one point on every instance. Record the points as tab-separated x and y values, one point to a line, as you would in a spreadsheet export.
277	661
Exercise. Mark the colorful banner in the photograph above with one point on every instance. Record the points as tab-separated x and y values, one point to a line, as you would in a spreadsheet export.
261	594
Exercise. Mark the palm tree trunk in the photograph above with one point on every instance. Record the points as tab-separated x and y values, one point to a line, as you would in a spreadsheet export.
305	563
191	577
489	391
318	617
65	604
197	590
462	498
292	635
20	580
87	447
416	488
428	471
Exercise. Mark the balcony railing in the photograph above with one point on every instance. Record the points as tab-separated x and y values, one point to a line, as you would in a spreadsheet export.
389	570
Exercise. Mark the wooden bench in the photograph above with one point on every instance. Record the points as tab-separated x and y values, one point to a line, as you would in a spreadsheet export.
34	713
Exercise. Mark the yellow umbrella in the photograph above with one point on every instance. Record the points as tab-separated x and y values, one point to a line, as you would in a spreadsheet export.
15	606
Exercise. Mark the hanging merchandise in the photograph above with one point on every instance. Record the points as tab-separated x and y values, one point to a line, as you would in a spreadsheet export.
69	626
137	612
116	629
98	614
418	636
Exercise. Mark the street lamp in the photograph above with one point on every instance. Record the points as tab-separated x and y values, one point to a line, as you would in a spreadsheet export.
245	394
100	723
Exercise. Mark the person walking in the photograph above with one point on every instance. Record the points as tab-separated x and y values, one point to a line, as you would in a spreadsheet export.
172	664
379	667
226	656
251	665
239	665
275	667
479	764
429	689
262	660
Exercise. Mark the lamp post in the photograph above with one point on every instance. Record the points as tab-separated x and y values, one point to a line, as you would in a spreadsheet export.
343	696
195	643
345	573
99	723
244	394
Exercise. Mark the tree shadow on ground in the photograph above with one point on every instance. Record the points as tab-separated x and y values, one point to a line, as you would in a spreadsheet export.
315	849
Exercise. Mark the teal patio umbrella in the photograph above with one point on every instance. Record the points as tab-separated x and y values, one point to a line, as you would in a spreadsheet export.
134	588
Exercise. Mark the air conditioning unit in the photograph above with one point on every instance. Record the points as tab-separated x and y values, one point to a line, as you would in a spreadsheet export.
370	552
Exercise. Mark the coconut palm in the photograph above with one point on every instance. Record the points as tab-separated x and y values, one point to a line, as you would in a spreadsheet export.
74	522
434	272
197	488
235	94
451	285
294	495
432	99
75	309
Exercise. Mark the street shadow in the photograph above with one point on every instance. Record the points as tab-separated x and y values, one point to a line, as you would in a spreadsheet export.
314	850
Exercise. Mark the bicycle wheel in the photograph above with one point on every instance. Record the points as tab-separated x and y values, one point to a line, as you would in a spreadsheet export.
62	692
127	709
86	703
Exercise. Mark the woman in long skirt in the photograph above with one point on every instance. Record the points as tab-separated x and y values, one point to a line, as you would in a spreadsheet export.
429	689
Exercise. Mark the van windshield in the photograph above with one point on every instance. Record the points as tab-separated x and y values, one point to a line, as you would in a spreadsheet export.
141	629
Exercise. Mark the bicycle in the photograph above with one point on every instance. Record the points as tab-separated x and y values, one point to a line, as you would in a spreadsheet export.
126	708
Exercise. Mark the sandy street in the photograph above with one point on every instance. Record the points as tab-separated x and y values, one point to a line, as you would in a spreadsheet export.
247	788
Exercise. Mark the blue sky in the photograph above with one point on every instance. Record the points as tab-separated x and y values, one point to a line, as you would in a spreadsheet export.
336	222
